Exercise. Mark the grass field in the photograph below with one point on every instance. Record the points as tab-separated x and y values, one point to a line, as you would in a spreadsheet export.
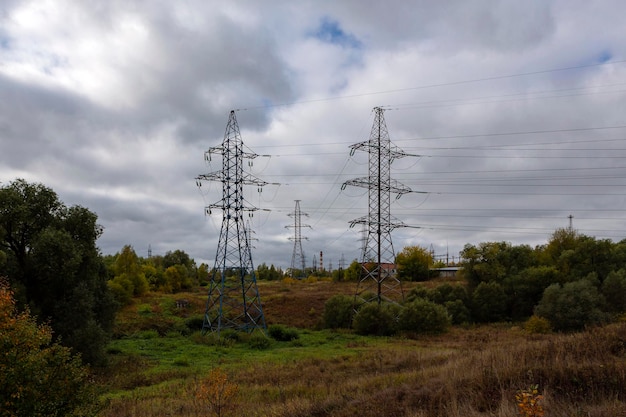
159	365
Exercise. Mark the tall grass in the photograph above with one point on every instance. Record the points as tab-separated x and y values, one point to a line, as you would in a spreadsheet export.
158	365
473	372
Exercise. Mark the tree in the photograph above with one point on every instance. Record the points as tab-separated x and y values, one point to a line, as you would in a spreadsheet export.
353	272
494	261
54	265
614	291
38	377
129	274
572	306
524	290
488	302
414	263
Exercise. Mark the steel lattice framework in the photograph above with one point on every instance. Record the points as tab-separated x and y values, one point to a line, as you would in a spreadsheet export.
234	301
378	280
297	258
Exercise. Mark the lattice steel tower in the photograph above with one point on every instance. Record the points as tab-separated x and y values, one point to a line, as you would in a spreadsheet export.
234	301
297	258
378	280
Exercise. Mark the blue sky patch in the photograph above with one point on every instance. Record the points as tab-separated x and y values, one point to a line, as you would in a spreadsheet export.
605	56
330	31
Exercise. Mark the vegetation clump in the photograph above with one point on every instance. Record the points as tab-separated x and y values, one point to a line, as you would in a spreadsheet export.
38	377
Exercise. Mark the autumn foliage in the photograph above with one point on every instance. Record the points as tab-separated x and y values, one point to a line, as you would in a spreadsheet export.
529	402
217	393
37	377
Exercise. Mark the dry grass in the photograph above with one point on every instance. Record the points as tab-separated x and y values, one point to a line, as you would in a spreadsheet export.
468	372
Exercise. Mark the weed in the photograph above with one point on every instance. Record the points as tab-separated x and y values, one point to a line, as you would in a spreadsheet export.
529	402
282	333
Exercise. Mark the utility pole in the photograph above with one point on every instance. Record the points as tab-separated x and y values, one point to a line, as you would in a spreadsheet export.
378	281
297	258
571	223
233	301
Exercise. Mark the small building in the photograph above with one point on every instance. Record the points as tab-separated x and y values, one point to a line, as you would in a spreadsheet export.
447	271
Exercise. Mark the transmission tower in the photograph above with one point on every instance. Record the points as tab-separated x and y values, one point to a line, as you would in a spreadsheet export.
297	259
234	301
378	281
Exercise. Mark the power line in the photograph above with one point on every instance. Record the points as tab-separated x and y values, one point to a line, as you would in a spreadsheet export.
434	85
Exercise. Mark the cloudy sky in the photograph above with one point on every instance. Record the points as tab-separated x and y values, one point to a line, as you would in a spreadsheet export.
515	113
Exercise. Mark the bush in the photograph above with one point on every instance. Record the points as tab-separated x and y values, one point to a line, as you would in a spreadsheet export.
259	341
572	306
418	292
459	313
194	323
38	376
536	324
446	292
282	333
375	319
423	316
338	312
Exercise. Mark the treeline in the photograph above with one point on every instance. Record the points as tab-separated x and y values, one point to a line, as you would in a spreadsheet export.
571	282
131	276
574	280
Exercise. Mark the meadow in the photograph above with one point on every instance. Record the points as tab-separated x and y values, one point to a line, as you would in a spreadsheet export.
162	366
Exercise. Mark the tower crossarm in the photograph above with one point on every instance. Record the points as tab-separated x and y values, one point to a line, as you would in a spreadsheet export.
245	179
390	186
392	152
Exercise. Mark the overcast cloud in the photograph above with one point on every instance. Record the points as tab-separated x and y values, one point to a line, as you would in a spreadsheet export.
517	111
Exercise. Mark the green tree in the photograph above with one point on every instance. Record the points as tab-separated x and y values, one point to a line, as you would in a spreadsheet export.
179	257
353	272
177	278
488	302
414	263
572	306
494	261
129	273
525	289
38	377
55	266
614	291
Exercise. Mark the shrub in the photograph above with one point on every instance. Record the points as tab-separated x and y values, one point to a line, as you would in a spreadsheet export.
194	323
375	319
423	316
338	312
447	292
572	306
536	324
259	341
459	313
418	292
282	334
38	376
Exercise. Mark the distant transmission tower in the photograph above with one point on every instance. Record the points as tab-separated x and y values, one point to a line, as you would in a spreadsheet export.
378	281
234	301
297	259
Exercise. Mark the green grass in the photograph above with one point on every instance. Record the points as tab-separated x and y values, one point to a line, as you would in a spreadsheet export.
157	364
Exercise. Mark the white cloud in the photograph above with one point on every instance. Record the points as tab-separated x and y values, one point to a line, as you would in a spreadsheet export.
113	103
